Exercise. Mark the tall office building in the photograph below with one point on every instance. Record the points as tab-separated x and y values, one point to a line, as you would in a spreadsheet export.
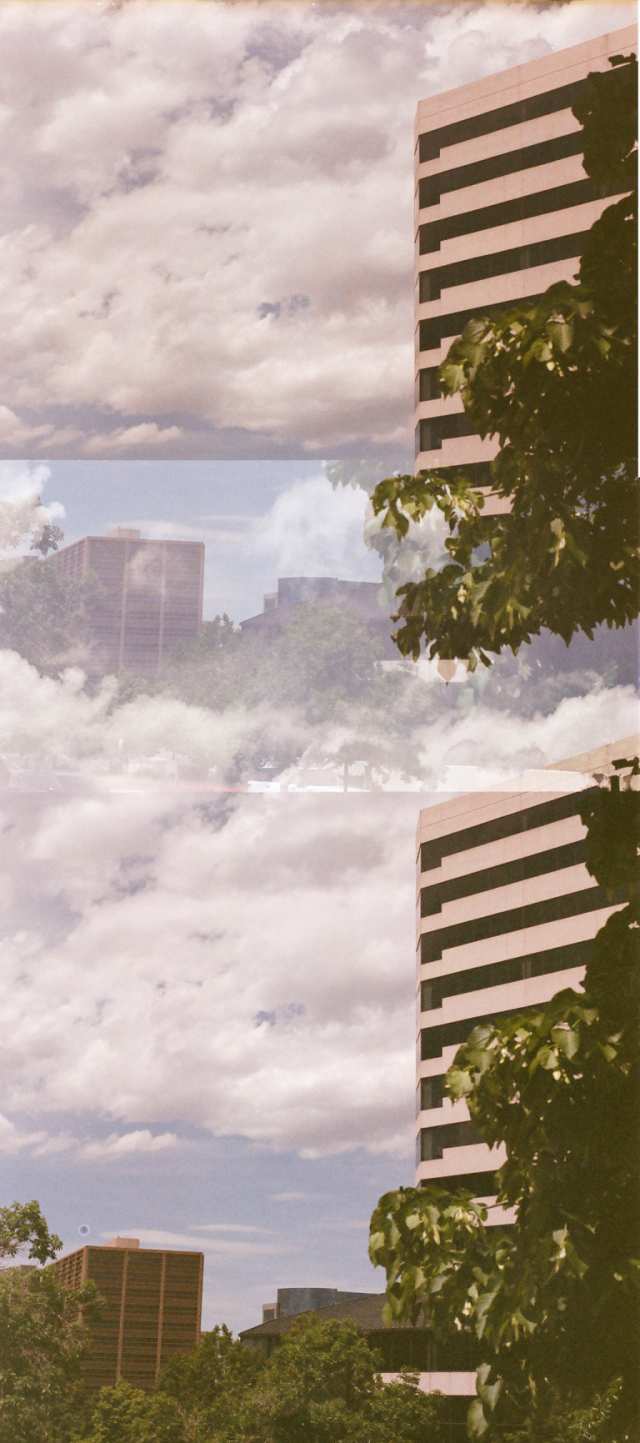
507	913
503	207
148	597
153	1305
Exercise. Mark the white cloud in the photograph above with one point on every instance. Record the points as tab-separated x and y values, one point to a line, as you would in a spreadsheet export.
126	1144
314	530
162	1238
209	213
117	1145
249	972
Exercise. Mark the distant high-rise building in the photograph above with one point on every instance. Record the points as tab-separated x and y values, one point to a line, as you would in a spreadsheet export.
359	598
507	913
153	1305
148	599
503	207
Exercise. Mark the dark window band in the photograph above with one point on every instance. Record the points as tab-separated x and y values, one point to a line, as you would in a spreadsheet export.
418	1350
431	433
562	98
572	904
540	815
432	331
538	864
427	386
430	1093
524	207
431	187
481	1184
495	974
499	263
453	1034
431	1141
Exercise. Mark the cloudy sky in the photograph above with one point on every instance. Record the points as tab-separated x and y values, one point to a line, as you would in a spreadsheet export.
205	288
207	217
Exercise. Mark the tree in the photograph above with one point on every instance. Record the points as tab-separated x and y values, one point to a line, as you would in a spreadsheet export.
43	615
552	1301
321	1385
42	1337
556	383
208	1384
23	1223
129	1415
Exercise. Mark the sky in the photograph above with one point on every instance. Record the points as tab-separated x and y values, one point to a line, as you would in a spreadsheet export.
208	1000
207	217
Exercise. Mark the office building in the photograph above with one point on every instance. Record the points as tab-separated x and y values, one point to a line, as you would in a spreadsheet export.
503	207
148	597
506	916
153	1305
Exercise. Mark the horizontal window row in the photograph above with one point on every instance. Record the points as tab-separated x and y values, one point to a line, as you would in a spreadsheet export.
431	433
505	212
477	929
427	385
497	974
555	859
431	332
481	1184
430	1093
499	263
418	1349
510	825
478	172
517	113
432	1040
431	1141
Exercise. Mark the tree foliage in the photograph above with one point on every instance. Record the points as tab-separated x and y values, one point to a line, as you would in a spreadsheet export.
23	1223
556	383
43	1342
320	1386
553	1300
43	615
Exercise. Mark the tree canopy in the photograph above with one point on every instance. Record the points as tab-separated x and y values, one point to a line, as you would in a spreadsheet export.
555	382
553	1300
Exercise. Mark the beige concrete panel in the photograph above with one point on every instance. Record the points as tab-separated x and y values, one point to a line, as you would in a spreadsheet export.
506	187
516	894
454	1385
501	142
508	849
521	81
459	813
531	992
542	938
449	1112
458	452
474	1157
506	289
516	233
525	940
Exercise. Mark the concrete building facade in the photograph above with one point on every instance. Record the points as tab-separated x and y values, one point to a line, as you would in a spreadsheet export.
506	916
502	209
148	598
153	1306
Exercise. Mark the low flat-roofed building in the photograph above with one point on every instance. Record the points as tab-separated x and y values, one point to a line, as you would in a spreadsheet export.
153	1306
446	1367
